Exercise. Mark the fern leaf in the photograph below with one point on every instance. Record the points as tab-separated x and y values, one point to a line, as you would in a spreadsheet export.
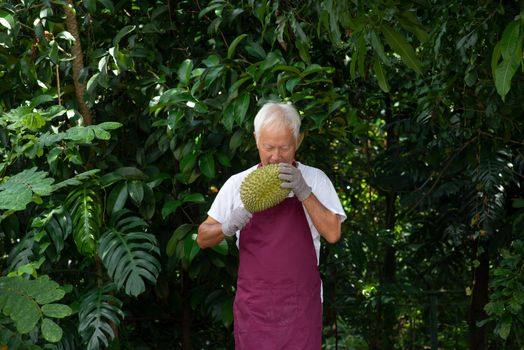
129	253
99	312
85	208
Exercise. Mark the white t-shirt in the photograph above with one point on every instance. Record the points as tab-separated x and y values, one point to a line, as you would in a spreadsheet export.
228	198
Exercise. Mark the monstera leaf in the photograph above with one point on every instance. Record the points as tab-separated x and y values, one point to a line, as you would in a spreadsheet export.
29	303
85	209
129	253
99	312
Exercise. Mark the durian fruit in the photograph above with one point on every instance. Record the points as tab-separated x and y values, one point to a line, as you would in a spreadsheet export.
261	190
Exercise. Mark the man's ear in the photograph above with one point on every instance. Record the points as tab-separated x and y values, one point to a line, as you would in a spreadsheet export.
300	138
255	137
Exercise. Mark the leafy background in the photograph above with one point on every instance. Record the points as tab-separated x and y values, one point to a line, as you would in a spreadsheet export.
120	120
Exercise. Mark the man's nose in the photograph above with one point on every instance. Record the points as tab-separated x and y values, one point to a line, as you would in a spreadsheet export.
276	154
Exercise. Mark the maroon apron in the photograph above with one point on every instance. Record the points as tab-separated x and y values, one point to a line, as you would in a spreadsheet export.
277	303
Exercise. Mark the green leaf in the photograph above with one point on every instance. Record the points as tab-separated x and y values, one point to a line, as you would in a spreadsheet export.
58	227
222	248
17	304
229	116
191	248
136	191
20	300
206	163
409	21
510	40
400	45
56	310
503	76
227	312
99	312
236	111
38	100
380	75
376	43
192	197
6	20
187	163
33	121
212	7
233	47
233	89
223	159
117	198
108	125
90	5
108	5
184	71
19	190
179	234
503	329
129	253
236	140
85	208
123	32
170	207
130	173
77	179
495	58
86	134
51	331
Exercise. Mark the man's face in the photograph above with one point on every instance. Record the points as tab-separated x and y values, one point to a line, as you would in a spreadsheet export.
276	144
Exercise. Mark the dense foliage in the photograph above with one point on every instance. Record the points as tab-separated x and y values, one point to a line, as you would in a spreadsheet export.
119	120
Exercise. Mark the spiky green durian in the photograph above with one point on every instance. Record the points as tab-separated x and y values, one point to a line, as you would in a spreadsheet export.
261	189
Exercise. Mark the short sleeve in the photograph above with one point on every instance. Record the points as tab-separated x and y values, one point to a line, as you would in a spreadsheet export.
224	202
327	195
228	197
323	189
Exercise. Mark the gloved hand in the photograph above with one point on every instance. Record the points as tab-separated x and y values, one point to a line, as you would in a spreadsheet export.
238	218
294	180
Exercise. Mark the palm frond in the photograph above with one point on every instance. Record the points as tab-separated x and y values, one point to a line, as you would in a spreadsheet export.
129	253
493	170
85	208
99	312
491	176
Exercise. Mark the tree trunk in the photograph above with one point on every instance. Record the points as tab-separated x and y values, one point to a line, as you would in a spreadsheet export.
186	311
78	62
479	299
386	316
389	277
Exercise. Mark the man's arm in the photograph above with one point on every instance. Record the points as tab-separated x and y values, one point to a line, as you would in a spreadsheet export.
209	233
212	232
326	222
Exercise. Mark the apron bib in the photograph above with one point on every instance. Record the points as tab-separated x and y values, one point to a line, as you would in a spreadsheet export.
277	302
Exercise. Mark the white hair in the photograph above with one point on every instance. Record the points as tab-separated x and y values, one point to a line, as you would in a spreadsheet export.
280	114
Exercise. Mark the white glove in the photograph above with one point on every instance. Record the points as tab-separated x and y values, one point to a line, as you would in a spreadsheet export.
236	221
295	181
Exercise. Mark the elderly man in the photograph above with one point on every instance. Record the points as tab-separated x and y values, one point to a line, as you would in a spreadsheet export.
278	299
